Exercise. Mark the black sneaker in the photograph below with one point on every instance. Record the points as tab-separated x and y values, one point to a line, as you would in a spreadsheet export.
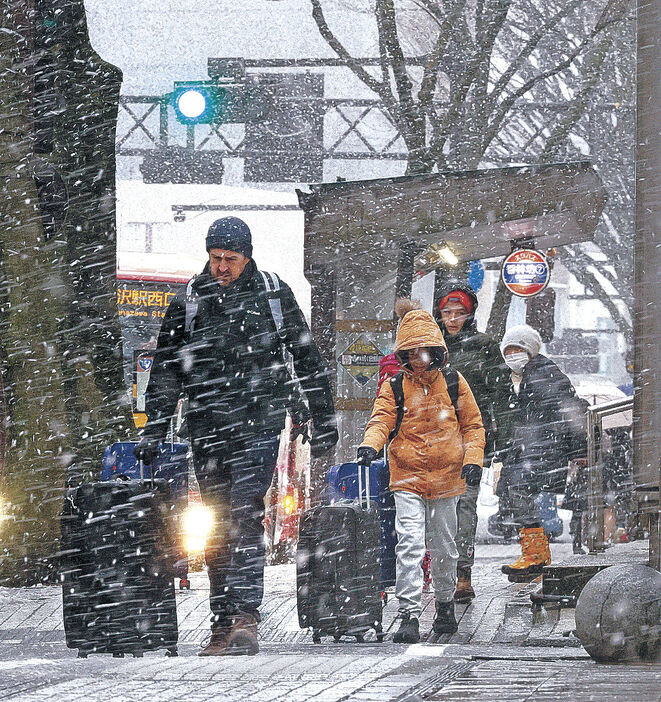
409	630
444	622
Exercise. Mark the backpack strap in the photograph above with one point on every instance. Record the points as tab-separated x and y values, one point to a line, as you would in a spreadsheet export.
452	381
192	305
397	385
272	287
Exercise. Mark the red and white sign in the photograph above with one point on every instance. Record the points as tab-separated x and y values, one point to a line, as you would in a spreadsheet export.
526	272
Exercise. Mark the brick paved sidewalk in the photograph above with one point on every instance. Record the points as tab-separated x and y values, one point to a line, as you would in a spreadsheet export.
480	662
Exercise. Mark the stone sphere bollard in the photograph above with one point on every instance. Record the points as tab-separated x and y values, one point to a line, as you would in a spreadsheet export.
618	614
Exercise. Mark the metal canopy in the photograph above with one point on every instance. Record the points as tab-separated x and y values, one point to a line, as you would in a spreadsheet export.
478	213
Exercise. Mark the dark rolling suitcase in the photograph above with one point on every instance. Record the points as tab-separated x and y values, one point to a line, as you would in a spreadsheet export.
343	485
116	568
170	464
337	570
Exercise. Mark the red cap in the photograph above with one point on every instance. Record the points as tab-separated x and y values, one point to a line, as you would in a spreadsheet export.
457	296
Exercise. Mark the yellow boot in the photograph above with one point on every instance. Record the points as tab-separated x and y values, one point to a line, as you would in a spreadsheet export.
535	554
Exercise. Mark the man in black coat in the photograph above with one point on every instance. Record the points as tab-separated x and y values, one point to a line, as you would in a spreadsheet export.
477	357
545	427
222	345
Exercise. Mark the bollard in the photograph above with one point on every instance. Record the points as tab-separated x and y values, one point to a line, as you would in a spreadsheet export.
618	614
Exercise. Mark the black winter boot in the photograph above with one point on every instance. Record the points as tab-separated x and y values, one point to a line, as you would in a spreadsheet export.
445	622
409	630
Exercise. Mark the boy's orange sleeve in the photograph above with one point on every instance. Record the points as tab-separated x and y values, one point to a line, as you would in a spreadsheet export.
470	424
383	419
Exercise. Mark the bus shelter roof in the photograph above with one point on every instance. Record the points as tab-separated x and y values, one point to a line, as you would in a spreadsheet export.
478	214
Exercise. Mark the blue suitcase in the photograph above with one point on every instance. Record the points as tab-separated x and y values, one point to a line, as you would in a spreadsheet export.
171	465
342	484
548	512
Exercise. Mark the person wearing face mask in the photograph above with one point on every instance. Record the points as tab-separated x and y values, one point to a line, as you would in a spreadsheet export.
546	429
477	357
433	449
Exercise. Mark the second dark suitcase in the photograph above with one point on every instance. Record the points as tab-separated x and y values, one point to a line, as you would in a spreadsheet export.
338	571
117	568
343	485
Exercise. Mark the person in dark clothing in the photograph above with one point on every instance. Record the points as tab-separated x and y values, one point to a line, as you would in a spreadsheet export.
544	422
222	345
477	357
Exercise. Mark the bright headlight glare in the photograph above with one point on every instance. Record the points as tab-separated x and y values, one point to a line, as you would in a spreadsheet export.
289	504
196	526
192	103
448	256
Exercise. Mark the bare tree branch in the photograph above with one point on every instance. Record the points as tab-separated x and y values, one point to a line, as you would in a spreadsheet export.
591	283
612	14
434	58
532	44
580	103
379	87
476	66
432	9
386	11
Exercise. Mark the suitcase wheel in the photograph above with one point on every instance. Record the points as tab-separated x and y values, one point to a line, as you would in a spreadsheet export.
184	584
116	654
316	637
172	652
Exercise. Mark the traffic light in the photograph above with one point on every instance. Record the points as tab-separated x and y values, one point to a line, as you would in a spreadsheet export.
214	102
203	102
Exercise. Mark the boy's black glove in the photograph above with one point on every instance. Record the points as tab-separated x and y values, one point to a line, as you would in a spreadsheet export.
472	473
146	450
366	454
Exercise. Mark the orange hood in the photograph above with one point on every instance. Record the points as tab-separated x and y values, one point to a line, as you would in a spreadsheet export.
417	329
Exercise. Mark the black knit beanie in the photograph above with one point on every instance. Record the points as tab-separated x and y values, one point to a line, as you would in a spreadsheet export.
230	234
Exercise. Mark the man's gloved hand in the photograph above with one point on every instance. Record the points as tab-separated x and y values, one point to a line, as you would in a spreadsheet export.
300	430
472	473
146	450
324	438
366	454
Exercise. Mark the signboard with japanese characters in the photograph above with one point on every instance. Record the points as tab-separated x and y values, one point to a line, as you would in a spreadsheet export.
361	360
526	272
149	300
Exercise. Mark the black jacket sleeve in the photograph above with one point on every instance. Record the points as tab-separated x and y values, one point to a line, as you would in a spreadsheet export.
310	368
166	380
498	385
564	411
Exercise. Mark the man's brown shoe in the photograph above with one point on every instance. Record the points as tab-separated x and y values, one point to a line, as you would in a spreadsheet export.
242	639
217	645
464	592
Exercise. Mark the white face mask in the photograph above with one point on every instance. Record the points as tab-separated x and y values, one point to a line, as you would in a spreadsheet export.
517	361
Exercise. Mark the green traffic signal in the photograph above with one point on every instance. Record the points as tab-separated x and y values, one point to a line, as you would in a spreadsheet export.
202	102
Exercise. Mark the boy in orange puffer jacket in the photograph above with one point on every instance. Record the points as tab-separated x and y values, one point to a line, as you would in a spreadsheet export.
433	451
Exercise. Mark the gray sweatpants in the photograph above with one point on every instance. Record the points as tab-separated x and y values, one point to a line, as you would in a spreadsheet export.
467	526
417	520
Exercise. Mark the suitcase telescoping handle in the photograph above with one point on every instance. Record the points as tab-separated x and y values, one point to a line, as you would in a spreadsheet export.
367	486
141	463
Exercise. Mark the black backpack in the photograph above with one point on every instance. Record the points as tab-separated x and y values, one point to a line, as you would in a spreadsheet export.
397	384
